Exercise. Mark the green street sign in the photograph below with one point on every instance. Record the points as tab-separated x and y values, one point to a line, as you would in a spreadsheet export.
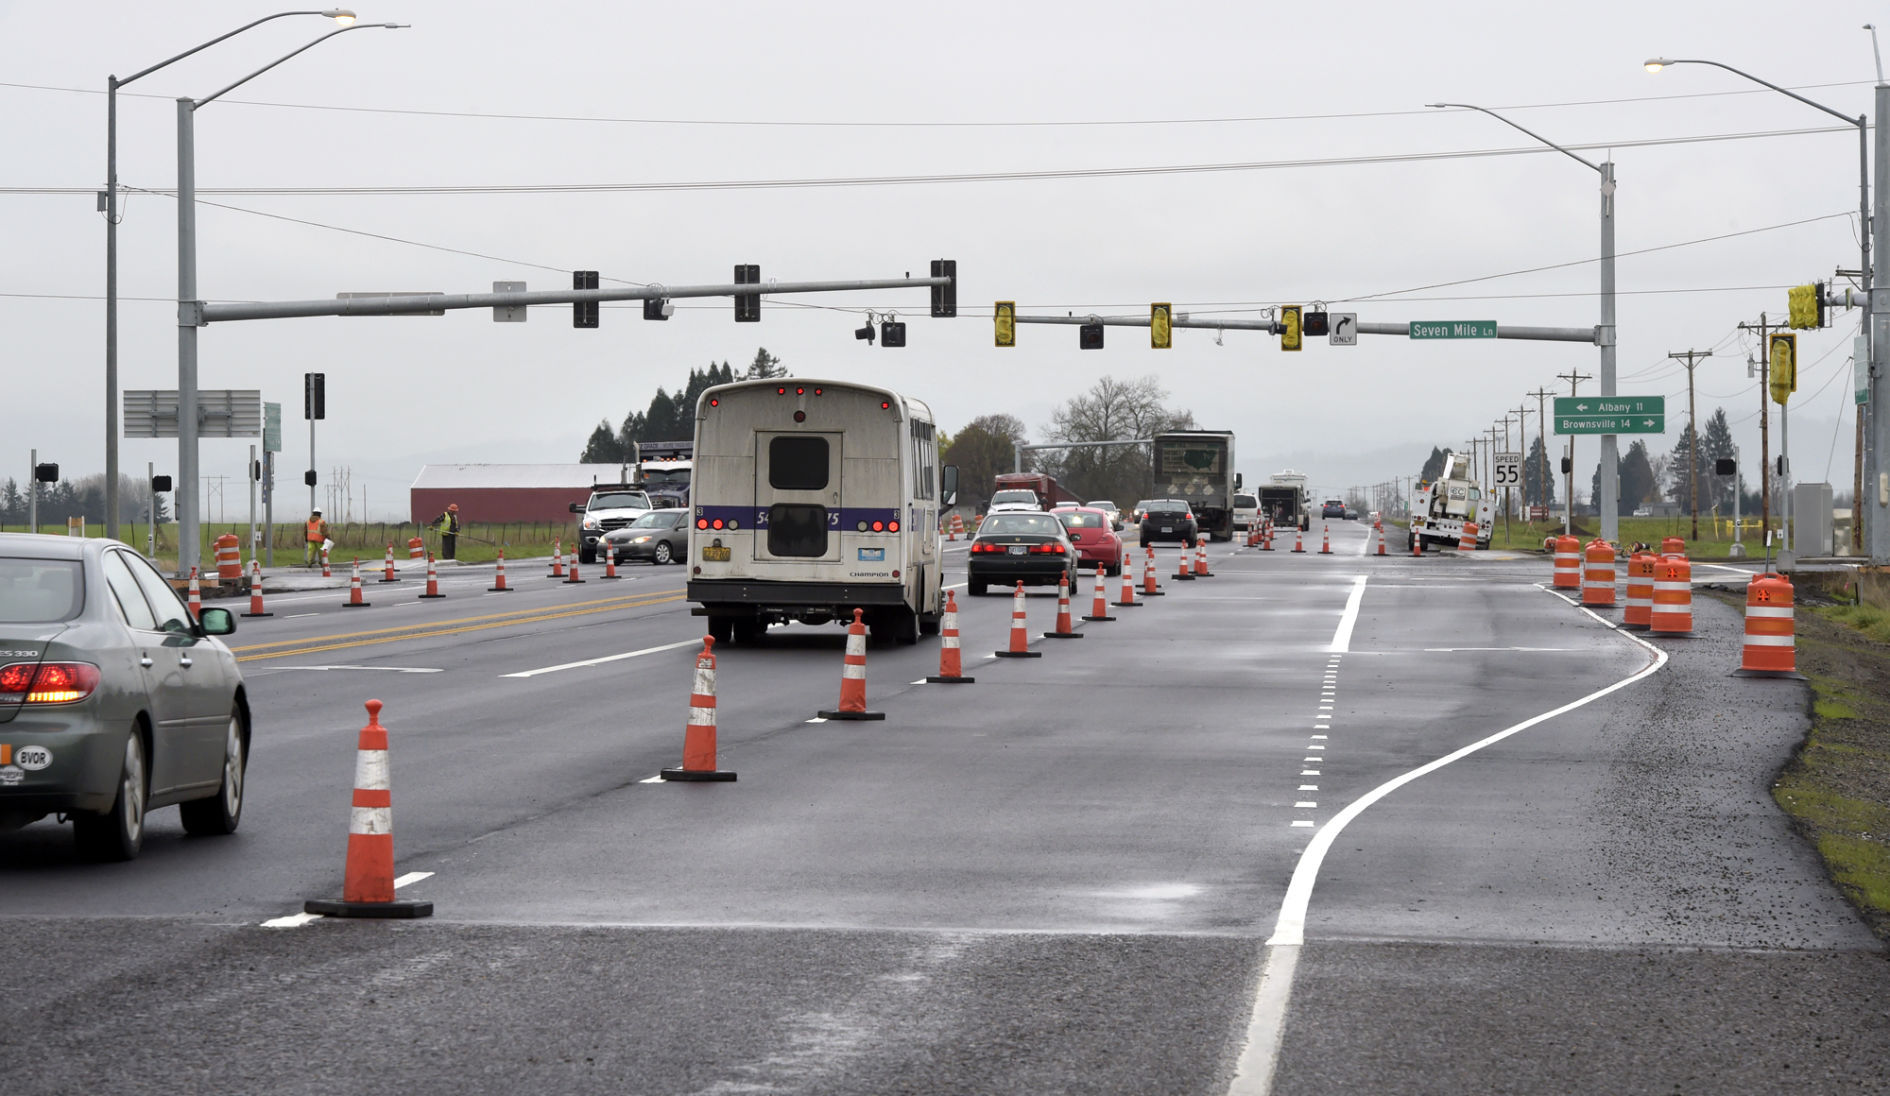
1610	424
1453	329
1586	406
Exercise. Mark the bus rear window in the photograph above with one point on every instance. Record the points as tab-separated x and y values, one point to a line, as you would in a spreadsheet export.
797	463
797	529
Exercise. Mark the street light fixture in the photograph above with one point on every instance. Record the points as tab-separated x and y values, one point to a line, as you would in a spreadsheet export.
1604	333
1877	440
190	309
108	204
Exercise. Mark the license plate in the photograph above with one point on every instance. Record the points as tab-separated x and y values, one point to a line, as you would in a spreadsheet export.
1019	550
713	554
1168	528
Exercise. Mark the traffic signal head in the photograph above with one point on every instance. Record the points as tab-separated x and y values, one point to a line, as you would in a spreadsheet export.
1725	466
892	333
308	477
1567	466
658	308
46	473
160	484
1806	309
865	331
1161	326
1782	358
1290	332
1314	324
1090	336
1005	317
584	313
945	297
314	400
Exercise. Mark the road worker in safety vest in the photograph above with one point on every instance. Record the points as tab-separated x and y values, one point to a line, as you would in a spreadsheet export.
448	525
317	536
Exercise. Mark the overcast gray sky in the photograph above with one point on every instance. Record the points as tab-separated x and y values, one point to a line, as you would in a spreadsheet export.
479	96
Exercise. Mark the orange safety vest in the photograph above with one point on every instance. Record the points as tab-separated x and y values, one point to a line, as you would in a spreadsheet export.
317	531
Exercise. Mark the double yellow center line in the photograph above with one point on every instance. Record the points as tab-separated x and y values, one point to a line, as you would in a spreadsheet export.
315	644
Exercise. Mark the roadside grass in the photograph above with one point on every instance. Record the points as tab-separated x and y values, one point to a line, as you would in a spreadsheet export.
479	542
1867	619
1836	787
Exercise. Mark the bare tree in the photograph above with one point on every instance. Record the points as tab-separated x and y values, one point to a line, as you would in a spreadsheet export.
1112	410
981	450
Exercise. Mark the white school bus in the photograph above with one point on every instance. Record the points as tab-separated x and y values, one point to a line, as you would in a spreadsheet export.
811	499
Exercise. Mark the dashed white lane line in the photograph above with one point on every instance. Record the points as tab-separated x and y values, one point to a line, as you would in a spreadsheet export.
1309	772
1305	804
606	658
297	920
657	779
1309	787
1300	823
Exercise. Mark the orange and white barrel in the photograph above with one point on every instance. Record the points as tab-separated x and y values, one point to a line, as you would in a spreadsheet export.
1771	647
1568	563
1673	596
1640	591
1673	546
229	556
1598	575
416	548
1467	541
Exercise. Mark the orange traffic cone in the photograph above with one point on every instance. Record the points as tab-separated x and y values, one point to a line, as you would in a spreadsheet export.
196	597
1200	559
367	887
574	579
557	559
1065	629
1128	583
354	590
1325	540
1417	543
1379	532
950	664
610	563
1020	638
1182	574
1099	607
387	574
853	677
433	579
698	751
1150	588
325	573
256	591
1266	538
498	579
1299	541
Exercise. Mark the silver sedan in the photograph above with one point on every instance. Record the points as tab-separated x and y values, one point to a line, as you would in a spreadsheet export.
113	701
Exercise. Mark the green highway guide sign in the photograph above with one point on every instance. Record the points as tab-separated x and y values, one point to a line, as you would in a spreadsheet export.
1610	414
1452	329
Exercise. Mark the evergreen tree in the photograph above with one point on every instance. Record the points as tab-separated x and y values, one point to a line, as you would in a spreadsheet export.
1535	467
765	367
1716	443
603	446
662	422
1638	484
12	504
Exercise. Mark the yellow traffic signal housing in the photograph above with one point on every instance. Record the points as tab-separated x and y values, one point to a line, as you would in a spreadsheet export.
1782	360
1806	306
1161	327
1006	318
1290	335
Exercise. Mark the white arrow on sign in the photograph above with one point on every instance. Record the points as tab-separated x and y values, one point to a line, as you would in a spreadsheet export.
1581	407
1344	330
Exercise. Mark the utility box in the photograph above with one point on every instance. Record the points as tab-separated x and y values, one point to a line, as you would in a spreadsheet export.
1811	519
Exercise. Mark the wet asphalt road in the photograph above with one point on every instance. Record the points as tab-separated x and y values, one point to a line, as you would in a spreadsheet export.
1059	879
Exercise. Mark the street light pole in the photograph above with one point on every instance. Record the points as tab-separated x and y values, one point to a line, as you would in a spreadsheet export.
190	308
1604	333
108	204
1877	325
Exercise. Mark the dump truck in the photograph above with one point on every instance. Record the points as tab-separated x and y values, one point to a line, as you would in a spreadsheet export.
1198	465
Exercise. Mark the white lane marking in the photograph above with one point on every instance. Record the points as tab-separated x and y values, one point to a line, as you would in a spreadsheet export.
411	877
1322	726
1342	639
657	779
1312	760
816	719
1307	804
1316	746
1297	822
383	669
1309	772
1309	787
606	658
292	921
1319	736
293	616
1253	1073
1452	650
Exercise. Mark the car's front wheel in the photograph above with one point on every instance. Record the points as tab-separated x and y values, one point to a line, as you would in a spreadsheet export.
587	555
118	833
220	813
662	555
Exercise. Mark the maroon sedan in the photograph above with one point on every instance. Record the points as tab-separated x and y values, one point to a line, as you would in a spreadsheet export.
1094	535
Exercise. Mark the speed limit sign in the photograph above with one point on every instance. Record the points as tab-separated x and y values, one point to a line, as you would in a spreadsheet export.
1507	468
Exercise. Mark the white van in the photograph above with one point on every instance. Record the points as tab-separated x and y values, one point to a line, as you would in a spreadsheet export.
1246	510
810	499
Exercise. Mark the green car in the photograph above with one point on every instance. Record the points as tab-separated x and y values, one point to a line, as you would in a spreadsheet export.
113	701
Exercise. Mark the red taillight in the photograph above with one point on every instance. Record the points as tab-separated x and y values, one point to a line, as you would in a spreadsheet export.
715	401
782	391
800	391
885	404
893	528
879	527
49	682
716	524
702	523
819	391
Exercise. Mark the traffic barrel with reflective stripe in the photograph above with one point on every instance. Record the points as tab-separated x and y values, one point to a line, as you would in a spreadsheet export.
1673	546
1673	597
367	887
1640	591
1099	606
853	675
1467	540
1568	563
950	662
698	751
416	548
229	556
1020	634
1771	646
1066	629
1598	576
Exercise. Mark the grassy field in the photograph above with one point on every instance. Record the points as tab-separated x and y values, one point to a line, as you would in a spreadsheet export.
478	542
1715	542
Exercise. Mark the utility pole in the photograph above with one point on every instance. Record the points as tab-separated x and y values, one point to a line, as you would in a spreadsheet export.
1691	358
1522	450
1764	366
1568	503
1542	462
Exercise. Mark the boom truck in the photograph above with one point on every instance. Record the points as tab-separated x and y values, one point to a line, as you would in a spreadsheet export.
1198	466
1440	507
1284	499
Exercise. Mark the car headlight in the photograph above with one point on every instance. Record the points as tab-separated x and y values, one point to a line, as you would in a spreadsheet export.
590	523
642	539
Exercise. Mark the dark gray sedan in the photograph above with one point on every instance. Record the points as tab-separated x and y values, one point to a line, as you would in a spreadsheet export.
660	536
113	701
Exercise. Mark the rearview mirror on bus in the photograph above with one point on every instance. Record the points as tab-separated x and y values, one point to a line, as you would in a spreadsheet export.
948	492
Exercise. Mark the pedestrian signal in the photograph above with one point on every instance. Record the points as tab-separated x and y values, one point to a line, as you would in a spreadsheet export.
584	313
1314	324
1290	333
1806	306
1005	316
1782	356
1090	336
1161	326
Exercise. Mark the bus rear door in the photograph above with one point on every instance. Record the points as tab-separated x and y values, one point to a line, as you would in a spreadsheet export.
797	497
